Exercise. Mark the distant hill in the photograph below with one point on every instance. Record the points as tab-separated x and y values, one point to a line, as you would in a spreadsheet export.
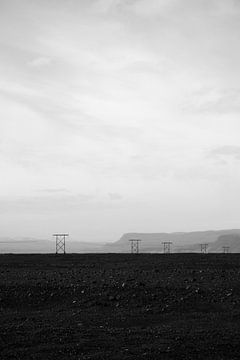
151	242
181	241
30	245
231	240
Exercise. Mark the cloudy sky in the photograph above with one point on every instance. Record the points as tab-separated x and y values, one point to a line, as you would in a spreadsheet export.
118	116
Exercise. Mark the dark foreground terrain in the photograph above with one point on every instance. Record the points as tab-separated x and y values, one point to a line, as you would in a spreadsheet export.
120	306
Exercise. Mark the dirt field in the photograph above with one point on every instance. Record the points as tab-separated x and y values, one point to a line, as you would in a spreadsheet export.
120	306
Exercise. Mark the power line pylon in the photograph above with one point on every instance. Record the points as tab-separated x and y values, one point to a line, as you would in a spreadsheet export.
166	247
204	248
226	249
134	246
60	243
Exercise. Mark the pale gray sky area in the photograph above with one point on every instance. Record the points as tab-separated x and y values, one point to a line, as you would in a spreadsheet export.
118	116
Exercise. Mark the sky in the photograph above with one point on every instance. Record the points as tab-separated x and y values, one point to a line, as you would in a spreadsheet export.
119	116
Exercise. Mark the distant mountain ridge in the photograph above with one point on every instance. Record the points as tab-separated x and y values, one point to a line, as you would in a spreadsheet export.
31	245
181	241
150	242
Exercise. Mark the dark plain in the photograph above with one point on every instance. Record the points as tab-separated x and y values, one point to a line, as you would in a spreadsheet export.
120	306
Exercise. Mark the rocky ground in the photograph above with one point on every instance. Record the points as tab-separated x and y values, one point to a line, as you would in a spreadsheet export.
120	306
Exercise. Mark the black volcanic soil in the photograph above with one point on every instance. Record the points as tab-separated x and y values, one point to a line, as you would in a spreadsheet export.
120	306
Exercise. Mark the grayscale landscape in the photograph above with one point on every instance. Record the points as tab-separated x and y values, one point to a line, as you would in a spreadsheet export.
119	179
150	243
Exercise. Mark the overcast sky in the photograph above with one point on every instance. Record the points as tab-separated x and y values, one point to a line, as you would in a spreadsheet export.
118	116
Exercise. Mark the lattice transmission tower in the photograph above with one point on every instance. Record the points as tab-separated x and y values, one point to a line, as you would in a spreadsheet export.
204	248
226	249
166	247
134	246
60	243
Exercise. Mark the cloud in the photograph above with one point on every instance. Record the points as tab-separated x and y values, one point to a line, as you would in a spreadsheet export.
92	94
48	203
40	62
143	8
151	8
219	101
115	196
55	190
163	7
225	152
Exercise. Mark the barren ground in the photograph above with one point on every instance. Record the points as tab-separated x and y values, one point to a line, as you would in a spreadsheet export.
120	306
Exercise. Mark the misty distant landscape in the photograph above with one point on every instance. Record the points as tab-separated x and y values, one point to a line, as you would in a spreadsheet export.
182	242
119	180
